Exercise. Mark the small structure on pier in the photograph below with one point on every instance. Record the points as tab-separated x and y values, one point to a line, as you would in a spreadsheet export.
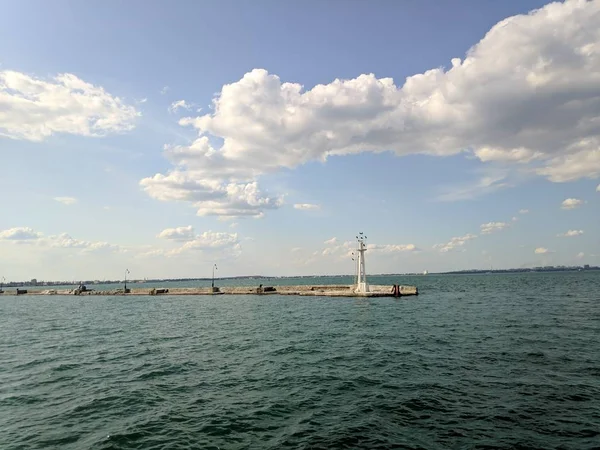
362	287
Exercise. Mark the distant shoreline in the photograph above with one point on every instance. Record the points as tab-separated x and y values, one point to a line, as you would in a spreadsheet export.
265	277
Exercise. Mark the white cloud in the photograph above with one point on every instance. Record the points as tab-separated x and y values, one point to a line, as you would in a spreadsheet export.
525	93
35	109
571	233
515	219
296	249
233	225
343	249
164	90
178	234
523	211
542	251
393	248
306	206
211	241
575	163
580	255
66	200
27	235
20	234
571	203
598	188
179	104
518	155
491	181
454	243
491	227
211	197
64	240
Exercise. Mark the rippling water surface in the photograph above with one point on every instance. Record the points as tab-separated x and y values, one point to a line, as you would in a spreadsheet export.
486	361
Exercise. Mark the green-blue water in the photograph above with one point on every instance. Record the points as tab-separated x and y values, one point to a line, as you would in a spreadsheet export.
484	361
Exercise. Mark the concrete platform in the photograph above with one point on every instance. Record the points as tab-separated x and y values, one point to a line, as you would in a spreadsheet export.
300	290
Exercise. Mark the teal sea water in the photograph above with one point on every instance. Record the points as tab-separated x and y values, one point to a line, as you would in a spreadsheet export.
481	361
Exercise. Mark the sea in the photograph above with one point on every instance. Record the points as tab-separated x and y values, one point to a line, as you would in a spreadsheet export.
486	361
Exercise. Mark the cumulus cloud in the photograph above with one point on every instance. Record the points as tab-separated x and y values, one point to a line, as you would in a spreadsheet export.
393	248
580	255
35	109
305	206
178	234
526	93
27	235
20	234
571	233
343	249
519	155
179	104
523	211
211	197
571	203
542	251
491	227
331	241
211	241
164	90
455	243
66	200
64	240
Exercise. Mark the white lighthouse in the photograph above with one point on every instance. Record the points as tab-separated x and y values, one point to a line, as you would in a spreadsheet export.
362	287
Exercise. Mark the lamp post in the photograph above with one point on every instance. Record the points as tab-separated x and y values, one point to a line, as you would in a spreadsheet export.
212	285
126	272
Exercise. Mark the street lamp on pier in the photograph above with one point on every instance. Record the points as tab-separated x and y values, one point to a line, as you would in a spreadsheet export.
212	285
126	272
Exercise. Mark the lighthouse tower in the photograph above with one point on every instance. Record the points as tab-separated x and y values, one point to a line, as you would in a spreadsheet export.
362	287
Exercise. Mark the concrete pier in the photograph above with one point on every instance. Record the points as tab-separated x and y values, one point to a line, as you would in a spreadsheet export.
299	290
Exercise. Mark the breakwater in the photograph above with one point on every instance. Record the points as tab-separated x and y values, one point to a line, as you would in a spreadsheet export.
300	290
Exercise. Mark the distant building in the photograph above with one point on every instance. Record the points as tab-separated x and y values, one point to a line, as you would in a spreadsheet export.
33	282
586	266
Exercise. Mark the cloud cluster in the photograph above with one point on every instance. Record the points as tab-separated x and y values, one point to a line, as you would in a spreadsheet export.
211	197
393	248
491	227
306	206
178	234
542	251
527	93
347	248
212	241
455	243
226	243
34	109
19	234
26	235
179	104
66	200
571	203
571	233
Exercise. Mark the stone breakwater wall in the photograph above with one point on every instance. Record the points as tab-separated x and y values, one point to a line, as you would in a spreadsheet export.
301	290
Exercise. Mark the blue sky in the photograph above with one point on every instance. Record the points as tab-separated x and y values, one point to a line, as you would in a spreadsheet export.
264	135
